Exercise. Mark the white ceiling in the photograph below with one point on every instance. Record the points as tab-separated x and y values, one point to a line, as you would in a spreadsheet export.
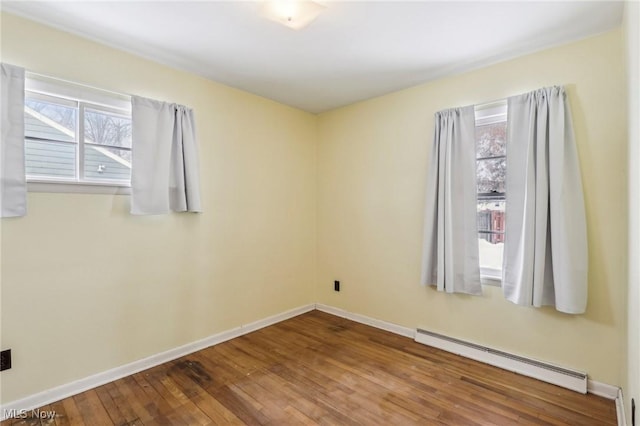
353	51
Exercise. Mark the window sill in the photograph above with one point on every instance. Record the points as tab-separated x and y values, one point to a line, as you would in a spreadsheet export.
78	187
492	281
491	276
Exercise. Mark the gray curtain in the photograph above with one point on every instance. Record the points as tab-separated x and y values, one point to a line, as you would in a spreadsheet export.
13	185
164	174
545	254
450	257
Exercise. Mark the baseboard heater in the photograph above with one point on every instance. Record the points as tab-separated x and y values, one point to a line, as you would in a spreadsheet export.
570	379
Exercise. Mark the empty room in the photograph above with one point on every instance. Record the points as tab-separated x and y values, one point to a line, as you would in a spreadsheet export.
300	212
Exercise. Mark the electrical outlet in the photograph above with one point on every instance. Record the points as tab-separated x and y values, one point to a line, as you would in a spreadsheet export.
5	360
336	285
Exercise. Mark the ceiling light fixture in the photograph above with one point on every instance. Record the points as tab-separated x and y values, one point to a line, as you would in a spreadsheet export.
295	14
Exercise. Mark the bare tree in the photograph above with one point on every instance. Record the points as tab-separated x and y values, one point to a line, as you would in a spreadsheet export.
107	129
62	115
490	150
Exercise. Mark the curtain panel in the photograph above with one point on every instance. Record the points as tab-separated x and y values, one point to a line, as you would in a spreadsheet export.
545	254
13	184
165	174
450	257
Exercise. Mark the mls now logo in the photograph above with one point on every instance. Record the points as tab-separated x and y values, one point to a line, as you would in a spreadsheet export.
14	413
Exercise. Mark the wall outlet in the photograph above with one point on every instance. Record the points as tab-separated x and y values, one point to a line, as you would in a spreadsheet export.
5	360
336	285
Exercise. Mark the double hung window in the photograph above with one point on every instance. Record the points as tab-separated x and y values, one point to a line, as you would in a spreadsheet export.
75	134
491	166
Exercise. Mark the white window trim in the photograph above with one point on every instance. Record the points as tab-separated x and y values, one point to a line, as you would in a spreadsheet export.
76	91
111	101
72	187
490	276
490	113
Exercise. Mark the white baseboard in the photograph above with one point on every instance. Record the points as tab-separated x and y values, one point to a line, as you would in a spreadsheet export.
602	389
362	319
74	388
622	415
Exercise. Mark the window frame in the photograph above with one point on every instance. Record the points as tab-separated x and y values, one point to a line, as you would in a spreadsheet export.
486	114
84	97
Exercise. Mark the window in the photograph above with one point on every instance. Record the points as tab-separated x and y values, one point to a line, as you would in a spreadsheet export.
491	166
75	134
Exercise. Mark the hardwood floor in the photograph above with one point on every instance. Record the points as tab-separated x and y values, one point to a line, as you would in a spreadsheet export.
320	369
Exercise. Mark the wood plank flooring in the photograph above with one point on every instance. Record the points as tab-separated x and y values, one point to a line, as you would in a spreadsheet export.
320	369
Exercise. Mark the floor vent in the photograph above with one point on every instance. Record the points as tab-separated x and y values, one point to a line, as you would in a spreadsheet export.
570	379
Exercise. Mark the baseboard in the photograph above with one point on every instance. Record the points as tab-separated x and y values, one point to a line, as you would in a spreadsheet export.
64	391
622	415
362	319
602	389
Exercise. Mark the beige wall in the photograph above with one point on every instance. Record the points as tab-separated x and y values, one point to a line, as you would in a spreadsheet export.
372	166
631	387
87	287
